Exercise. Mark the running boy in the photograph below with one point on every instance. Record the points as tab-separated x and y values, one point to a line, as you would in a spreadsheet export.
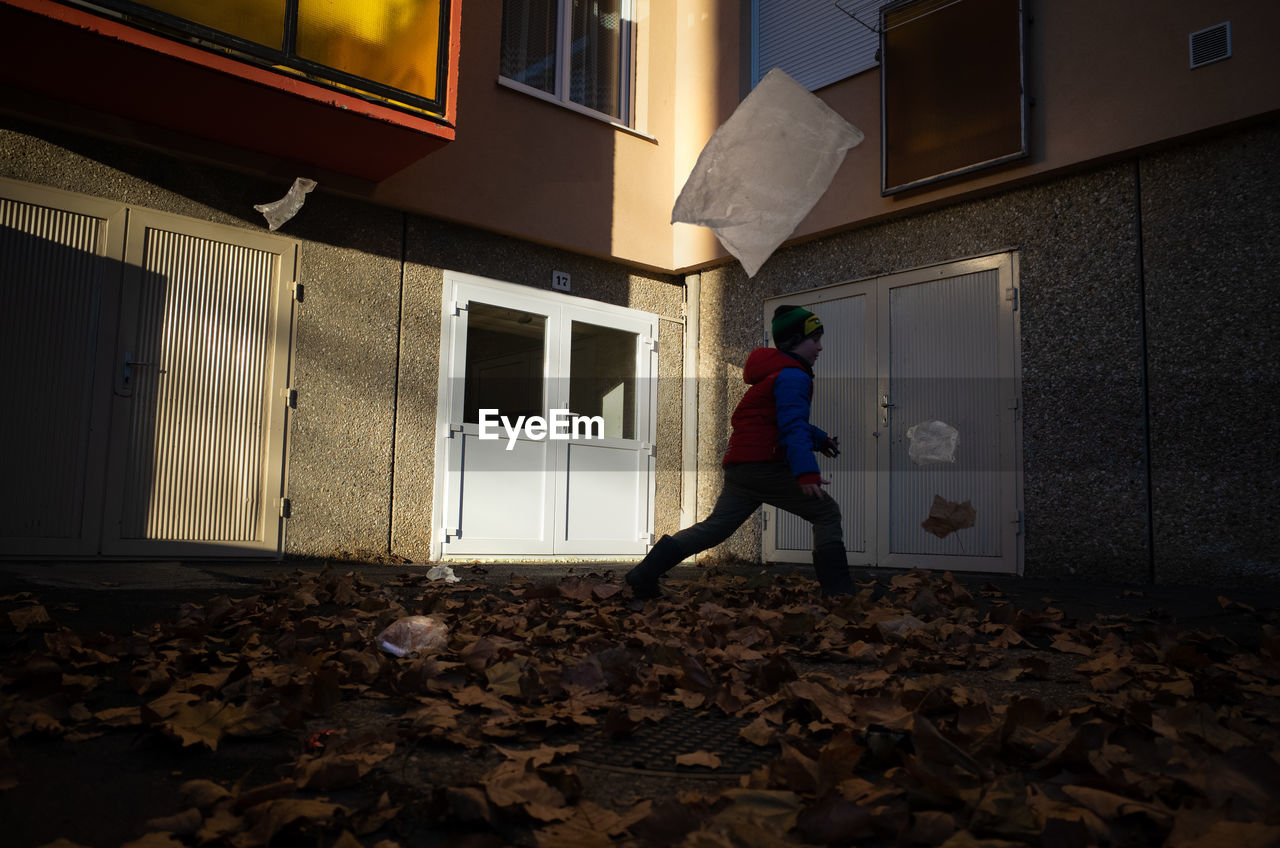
769	460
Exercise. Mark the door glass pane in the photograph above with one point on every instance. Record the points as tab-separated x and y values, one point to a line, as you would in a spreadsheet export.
259	21
393	42
602	377
529	42
505	354
595	79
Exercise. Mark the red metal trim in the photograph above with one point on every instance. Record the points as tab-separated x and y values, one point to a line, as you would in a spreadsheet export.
64	55
243	70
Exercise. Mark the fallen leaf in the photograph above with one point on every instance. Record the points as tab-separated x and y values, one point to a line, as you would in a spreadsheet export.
26	617
778	807
699	758
1207	829
182	824
269	818
836	821
759	732
203	793
154	840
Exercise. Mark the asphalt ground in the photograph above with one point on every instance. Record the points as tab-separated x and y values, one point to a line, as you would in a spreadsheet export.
99	791
115	597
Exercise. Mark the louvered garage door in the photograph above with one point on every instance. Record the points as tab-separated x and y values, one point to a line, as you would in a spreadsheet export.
57	284
201	401
149	362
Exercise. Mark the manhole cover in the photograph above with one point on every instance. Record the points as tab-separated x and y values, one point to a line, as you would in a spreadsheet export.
652	747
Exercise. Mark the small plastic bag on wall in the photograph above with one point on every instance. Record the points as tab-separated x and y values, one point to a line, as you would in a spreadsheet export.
279	211
932	443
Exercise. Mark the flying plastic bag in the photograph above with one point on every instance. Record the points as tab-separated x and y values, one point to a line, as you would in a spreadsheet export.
279	211
765	168
932	443
414	634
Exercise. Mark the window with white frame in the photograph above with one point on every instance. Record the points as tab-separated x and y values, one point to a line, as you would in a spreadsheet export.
576	52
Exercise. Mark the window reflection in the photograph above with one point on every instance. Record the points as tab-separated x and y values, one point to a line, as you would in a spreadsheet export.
392	41
258	21
597	38
505	362
602	377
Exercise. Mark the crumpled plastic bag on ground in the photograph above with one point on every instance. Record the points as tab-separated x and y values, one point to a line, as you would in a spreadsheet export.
279	211
765	168
443	572
413	634
932	442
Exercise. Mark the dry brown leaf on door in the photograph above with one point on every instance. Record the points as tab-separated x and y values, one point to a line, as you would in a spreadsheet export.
946	517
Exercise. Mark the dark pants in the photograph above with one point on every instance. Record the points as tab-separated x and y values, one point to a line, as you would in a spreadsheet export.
747	485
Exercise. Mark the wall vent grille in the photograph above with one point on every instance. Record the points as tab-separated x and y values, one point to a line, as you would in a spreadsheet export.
1210	45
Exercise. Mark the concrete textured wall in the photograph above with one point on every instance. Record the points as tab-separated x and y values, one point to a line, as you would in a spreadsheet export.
366	356
1211	236
1209	252
1189	233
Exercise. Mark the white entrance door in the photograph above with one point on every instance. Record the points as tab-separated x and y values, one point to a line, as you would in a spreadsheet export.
936	344
580	483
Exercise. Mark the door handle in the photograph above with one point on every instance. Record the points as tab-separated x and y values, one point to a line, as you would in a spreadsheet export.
885	406
126	373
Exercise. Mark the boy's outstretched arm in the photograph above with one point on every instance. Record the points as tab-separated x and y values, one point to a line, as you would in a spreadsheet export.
799	438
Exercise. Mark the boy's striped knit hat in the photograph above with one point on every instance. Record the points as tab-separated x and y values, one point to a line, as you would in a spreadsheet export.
792	324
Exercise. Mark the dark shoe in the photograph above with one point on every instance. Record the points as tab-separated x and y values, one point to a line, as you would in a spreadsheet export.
662	557
832	568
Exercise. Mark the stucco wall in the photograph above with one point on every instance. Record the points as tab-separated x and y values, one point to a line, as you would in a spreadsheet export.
366	355
1209	253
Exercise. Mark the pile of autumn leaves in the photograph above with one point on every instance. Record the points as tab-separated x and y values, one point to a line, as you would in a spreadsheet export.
1170	737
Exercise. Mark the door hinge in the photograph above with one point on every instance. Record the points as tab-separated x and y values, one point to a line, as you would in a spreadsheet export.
286	508
298	292
649	344
1012	294
291	398
1021	520
459	306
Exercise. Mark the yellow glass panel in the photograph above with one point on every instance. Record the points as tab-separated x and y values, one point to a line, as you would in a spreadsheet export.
393	42
259	21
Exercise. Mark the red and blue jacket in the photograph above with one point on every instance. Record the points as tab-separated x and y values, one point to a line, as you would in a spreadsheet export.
771	422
